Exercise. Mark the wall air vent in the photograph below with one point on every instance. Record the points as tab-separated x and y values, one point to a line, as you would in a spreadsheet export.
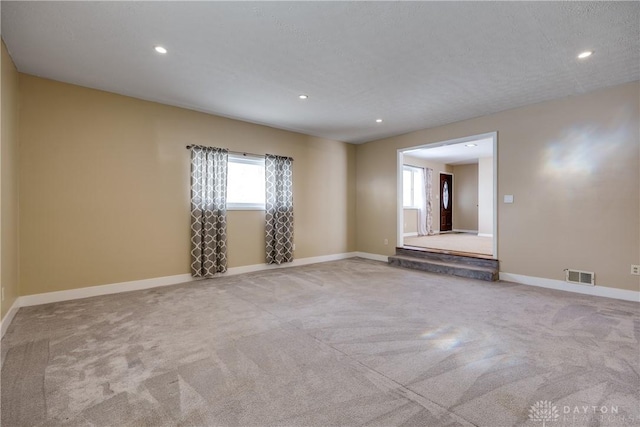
580	277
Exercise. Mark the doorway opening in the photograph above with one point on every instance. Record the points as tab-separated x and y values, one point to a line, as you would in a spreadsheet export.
447	196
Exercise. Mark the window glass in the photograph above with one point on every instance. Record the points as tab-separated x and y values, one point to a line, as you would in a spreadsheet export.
245	183
417	182
411	187
406	187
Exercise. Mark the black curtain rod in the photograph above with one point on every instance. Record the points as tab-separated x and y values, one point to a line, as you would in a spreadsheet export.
234	152
241	153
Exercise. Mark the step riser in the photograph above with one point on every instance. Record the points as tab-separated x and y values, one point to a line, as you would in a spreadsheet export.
424	265
479	262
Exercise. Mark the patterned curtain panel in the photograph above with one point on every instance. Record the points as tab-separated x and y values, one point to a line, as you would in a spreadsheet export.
279	208
422	212
428	181
425	214
208	211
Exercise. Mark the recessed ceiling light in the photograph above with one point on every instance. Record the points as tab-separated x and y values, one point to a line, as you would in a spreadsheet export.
303	96
378	120
585	54
471	145
160	49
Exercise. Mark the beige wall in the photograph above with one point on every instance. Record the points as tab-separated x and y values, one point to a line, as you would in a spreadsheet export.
105	188
465	197
410	221
9	247
435	184
485	196
573	167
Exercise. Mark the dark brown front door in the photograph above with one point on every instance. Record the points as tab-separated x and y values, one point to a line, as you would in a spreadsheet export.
446	200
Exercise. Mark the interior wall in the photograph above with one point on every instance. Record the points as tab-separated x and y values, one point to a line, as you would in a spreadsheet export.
9	201
465	197
410	225
485	196
105	188
573	167
435	184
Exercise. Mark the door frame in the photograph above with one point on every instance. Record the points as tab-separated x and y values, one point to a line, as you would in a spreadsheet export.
400	163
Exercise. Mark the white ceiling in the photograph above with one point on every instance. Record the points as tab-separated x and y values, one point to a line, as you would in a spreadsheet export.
455	154
414	64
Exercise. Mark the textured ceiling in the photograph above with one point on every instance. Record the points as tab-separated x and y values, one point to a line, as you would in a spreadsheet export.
455	154
413	64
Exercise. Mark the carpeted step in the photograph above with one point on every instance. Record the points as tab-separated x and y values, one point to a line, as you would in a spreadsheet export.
450	258
488	274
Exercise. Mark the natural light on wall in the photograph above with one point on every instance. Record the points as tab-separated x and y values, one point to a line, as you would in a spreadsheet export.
583	150
245	183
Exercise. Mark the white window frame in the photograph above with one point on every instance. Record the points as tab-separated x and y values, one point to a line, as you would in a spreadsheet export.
414	170
249	160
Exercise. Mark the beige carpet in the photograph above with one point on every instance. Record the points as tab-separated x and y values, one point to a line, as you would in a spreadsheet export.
345	343
460	242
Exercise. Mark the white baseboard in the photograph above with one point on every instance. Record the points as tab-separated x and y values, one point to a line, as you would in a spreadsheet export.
412	234
295	263
600	291
71	294
484	235
464	231
136	285
374	257
92	291
8	318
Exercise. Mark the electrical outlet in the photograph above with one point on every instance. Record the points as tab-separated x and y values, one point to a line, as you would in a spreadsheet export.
635	270
386	241
294	246
3	293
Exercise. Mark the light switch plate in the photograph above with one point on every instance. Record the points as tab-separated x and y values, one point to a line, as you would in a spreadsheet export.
508	198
